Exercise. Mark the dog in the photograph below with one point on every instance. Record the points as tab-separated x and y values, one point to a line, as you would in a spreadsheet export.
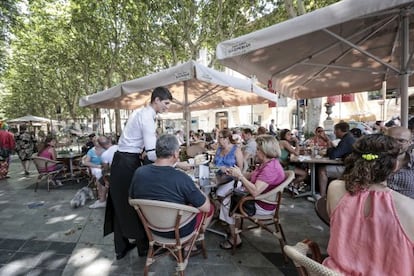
81	196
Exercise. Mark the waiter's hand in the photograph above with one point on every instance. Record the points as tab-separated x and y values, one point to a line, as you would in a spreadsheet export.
184	166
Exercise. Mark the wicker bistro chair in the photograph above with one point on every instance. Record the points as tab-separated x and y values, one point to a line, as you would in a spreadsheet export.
41	164
272	197
308	266
164	216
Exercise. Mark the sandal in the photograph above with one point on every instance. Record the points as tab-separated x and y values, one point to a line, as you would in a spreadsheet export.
227	244
195	251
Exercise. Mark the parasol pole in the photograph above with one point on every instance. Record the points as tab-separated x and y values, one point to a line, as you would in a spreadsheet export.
384	97
187	114
404	67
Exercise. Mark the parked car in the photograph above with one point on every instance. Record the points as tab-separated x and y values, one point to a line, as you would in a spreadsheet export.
364	127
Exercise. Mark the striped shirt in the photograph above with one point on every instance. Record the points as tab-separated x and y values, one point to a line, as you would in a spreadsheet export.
402	181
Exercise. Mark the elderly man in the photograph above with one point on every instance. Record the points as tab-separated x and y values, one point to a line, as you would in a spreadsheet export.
249	148
161	181
402	181
344	147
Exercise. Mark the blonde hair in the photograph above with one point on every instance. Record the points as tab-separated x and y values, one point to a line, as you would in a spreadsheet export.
268	145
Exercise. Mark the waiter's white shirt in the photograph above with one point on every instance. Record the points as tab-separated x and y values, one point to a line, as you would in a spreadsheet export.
139	133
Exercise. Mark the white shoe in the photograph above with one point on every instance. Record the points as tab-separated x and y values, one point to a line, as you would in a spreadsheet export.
98	204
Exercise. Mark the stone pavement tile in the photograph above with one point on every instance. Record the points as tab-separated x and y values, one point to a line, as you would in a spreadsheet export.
35	246
49	260
250	259
89	260
15	269
11	244
38	271
5	256
261	271
25	259
218	269
61	247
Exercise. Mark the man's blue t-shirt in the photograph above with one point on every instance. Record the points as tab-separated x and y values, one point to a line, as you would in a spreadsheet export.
165	183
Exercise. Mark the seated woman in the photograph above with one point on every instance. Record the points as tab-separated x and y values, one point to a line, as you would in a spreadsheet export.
93	160
286	148
263	179
228	154
320	139
372	226
47	150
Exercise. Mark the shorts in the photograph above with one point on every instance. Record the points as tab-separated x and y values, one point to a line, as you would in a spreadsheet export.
335	172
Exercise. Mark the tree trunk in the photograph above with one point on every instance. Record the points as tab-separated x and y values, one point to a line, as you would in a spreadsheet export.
290	8
313	115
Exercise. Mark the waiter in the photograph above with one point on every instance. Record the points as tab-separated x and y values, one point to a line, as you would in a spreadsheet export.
139	135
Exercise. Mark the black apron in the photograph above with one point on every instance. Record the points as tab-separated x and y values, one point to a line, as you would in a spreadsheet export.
122	170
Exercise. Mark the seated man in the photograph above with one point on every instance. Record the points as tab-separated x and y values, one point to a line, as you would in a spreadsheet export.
249	148
402	181
161	181
89	144
344	148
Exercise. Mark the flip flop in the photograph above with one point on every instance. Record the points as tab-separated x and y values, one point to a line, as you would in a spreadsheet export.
195	251
227	245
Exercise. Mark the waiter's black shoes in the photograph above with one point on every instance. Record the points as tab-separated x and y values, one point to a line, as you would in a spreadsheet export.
125	251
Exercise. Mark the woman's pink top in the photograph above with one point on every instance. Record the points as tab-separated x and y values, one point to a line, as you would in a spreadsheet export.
272	173
47	154
369	245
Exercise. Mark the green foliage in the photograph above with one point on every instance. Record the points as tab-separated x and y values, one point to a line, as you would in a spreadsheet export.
63	50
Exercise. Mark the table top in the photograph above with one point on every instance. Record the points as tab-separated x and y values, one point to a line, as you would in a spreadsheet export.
316	160
69	155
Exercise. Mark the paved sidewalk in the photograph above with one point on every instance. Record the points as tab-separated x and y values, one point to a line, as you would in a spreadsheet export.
41	235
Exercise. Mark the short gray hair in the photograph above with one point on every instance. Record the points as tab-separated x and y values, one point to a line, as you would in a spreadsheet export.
166	146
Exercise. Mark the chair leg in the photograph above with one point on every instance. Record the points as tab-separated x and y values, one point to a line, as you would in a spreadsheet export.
180	265
203	247
37	183
150	257
282	240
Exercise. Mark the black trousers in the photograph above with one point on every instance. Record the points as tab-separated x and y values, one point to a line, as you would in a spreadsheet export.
120	217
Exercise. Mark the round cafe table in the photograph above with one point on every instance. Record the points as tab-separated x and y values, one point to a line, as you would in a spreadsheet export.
68	158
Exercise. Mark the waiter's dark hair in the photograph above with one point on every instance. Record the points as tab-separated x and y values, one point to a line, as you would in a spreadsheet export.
161	93
166	146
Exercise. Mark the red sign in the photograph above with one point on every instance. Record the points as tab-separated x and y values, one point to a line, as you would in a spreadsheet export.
334	99
347	98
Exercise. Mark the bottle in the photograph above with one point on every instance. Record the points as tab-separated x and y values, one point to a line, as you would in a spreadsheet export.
317	149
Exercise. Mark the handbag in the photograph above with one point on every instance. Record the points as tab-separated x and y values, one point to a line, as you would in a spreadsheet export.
222	178
248	206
